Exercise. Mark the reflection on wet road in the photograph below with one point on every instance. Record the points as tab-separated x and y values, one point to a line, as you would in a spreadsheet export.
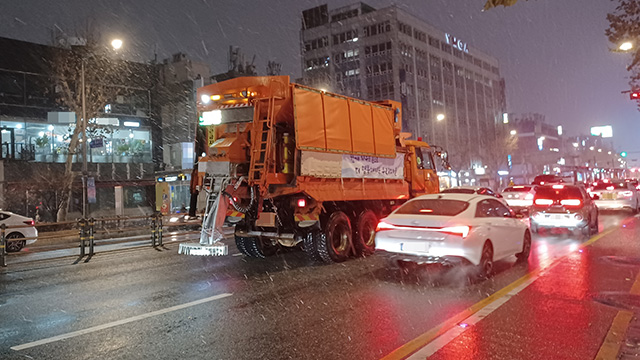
281	307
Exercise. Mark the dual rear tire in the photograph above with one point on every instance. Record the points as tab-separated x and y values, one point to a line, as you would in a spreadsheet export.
339	239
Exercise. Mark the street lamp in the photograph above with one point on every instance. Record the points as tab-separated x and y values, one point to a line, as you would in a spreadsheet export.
440	117
116	44
626	46
513	132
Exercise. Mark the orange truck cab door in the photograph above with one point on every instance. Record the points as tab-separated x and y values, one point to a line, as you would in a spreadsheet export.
424	178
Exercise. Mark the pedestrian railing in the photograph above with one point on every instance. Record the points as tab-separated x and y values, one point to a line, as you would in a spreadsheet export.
87	234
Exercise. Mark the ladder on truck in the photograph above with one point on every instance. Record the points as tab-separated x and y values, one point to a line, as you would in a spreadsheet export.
262	139
210	234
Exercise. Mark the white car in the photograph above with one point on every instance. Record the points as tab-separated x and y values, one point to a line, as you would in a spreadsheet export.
519	197
20	230
453	229
615	195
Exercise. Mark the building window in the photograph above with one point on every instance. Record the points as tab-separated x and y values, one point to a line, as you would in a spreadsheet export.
434	42
377	49
318	43
379	28
317	63
404	28
347	36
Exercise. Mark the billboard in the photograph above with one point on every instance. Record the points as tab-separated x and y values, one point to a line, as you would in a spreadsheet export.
606	131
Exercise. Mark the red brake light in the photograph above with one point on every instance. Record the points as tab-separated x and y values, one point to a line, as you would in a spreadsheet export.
544	202
30	222
457	230
426	210
571	202
385	226
528	197
558	187
302	203
518	187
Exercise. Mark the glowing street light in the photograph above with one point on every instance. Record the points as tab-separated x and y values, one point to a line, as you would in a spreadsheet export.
116	44
626	46
440	117
513	132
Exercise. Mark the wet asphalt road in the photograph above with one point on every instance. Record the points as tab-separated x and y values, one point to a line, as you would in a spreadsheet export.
123	305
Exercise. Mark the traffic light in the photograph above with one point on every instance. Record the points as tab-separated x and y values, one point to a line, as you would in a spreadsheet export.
634	95
623	154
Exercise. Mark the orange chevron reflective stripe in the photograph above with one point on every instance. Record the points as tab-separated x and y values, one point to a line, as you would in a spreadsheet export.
299	217
234	213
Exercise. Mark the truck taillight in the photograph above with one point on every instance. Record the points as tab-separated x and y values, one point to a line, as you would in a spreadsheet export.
302	203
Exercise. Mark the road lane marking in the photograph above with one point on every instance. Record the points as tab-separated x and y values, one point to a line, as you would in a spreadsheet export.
616	335
117	323
430	341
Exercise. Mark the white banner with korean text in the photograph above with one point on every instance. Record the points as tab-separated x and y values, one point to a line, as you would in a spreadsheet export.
371	167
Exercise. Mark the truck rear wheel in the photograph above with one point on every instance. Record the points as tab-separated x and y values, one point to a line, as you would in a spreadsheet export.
364	234
334	243
255	246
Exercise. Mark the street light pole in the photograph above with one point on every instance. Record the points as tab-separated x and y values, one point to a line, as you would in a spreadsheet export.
84	145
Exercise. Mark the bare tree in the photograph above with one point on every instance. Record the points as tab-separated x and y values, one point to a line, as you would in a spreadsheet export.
69	67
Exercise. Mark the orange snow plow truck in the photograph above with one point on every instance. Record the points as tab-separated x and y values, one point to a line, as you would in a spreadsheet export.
290	166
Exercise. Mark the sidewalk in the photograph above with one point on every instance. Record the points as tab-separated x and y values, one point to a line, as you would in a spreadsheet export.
584	306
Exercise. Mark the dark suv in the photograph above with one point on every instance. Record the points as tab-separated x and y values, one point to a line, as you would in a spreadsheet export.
564	206
547	180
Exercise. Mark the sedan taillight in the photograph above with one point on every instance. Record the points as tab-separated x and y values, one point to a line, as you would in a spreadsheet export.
456	230
571	202
543	202
385	226
625	194
29	222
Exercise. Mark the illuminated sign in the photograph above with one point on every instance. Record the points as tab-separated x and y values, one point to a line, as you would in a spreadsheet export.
456	43
213	117
606	131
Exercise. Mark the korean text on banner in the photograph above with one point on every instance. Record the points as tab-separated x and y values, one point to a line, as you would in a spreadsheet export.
370	167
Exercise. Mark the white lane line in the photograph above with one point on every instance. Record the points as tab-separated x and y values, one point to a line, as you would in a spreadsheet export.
454	332
117	323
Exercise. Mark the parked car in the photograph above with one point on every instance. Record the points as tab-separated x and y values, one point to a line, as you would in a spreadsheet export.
479	190
616	195
453	229
519	197
20	230
547	179
564	206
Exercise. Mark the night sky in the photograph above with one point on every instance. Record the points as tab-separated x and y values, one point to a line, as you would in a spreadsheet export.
553	54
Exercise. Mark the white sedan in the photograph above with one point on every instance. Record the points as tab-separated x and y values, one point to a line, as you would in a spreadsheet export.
454	229
20	230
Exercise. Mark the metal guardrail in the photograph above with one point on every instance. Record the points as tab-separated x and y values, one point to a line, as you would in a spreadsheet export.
84	233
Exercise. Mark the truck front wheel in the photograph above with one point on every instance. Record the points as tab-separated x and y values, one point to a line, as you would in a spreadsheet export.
334	244
365	231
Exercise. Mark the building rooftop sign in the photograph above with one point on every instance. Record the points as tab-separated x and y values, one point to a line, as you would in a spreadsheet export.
456	43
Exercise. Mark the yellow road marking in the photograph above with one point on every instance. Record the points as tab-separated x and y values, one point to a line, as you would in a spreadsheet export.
615	336
427	337
612	342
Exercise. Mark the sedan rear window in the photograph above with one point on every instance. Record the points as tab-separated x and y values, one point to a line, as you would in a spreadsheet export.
518	189
610	186
565	192
458	191
433	207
